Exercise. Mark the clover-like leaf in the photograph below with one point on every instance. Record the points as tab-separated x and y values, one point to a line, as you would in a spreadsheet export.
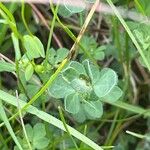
80	116
60	88
113	95
41	143
105	83
93	109
78	67
39	130
72	103
70	74
61	54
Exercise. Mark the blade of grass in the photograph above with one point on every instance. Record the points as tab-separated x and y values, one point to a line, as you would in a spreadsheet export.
136	134
129	33
65	125
140	7
48	118
22	123
3	116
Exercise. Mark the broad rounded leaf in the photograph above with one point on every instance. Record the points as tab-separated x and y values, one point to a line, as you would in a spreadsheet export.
61	54
70	74
29	72
93	109
33	46
106	82
72	103
113	95
78	67
39	131
63	11
60	88
80	116
41	143
39	46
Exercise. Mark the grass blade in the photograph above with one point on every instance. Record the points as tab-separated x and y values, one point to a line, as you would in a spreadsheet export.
8	126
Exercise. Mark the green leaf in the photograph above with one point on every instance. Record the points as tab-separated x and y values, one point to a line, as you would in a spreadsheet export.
81	86
92	71
63	11
106	82
33	46
29	72
50	55
80	116
61	54
78	67
4	66
72	103
29	131
93	109
70	74
16	46
98	53
73	9
39	131
41	143
113	95
60	88
4	118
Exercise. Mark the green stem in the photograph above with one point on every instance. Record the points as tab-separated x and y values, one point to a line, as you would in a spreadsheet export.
67	130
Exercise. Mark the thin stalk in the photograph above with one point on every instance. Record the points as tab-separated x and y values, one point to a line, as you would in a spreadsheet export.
111	129
65	125
22	123
23	18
